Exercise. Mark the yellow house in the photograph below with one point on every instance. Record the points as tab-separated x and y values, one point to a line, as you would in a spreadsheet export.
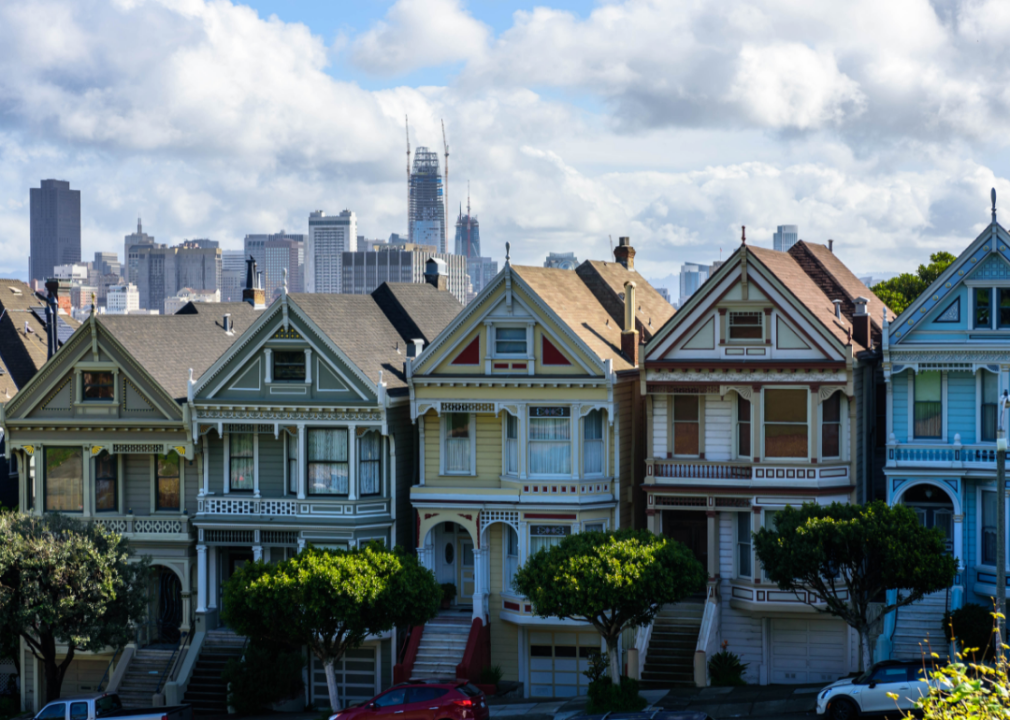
531	428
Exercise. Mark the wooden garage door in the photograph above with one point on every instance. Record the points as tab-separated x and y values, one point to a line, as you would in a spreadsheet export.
808	651
356	678
83	677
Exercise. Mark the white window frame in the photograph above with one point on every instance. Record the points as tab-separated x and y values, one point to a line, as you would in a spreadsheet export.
359	433
444	436
574	428
739	542
943	410
843	414
505	579
745	341
493	345
978	528
979	387
256	461
505	445
764	409
736	429
597	521
670	434
604	466
290	440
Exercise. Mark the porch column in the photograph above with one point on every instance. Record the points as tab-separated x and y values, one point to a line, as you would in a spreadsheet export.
479	594
957	591
302	464
890	405
201	578
256	461
212	578
426	553
257	552
205	461
712	532
654	521
89	485
187	603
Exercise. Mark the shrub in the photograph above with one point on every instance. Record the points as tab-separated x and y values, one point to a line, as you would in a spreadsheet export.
265	675
972	626
726	670
491	675
599	666
448	592
605	697
10	706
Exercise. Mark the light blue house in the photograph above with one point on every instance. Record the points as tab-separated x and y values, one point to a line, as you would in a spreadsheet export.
946	359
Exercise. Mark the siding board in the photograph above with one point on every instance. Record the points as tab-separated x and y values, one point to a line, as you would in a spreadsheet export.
718	427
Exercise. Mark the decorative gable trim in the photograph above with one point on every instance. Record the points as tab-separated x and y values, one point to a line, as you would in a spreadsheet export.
549	354
950	314
470	355
992	268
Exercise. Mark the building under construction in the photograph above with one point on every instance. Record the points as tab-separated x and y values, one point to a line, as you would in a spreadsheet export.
426	222
467	233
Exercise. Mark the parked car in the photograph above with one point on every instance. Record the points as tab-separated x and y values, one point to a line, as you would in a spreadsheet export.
107	705
422	700
867	694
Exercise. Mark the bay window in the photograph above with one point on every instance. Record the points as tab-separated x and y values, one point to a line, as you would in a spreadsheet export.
928	408
831	426
743	537
370	463
511	555
106	493
511	444
544	537
990	397
167	482
328	465
686	424
592	443
785	423
457	443
550	441
241	461
743	431
64	479
989	534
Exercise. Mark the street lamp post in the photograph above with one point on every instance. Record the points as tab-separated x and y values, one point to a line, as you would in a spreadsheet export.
1001	445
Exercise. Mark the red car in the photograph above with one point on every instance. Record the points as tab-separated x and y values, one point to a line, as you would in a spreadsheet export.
421	700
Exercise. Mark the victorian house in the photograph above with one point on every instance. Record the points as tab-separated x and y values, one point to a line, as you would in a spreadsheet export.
945	363
528	415
759	393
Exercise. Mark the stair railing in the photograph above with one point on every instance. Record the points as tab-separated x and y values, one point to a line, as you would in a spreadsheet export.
170	664
105	675
708	638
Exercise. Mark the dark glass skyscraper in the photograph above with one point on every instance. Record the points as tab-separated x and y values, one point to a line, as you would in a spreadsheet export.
467	233
426	221
56	228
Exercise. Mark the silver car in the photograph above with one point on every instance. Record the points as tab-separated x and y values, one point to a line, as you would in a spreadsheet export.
868	693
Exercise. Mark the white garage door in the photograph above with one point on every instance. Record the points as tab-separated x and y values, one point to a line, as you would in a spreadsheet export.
557	661
356	678
808	651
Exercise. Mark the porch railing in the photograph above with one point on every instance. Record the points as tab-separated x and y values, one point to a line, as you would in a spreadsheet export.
941	455
702	470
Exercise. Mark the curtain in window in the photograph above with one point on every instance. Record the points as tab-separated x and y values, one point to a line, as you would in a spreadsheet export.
105	482
743	531
550	446
457	443
511	555
511	444
785	423
240	453
685	425
831	425
592	443
167	481
928	406
328	465
989	528
990	397
293	464
370	463
64	479
543	542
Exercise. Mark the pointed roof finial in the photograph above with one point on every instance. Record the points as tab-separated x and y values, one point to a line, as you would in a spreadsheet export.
94	302
743	234
508	253
284	285
992	194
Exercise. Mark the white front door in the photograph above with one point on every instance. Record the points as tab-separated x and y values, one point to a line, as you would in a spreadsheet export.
466	567
808	651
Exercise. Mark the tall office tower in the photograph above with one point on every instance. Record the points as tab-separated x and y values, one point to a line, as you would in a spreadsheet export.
692	277
255	246
162	271
329	238
366	270
664	293
785	237
481	270
131	241
233	260
232	275
55	228
281	255
107	263
467	233
564	261
426	213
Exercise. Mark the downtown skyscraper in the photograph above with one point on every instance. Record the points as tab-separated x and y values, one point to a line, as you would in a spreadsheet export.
329	238
55	228
426	212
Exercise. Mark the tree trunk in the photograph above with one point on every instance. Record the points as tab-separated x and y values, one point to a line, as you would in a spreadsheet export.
54	679
615	660
864	642
331	684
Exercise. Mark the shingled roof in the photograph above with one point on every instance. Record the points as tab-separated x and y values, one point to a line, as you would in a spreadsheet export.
606	281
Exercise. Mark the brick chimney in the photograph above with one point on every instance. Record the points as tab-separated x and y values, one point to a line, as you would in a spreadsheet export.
436	274
253	292
624	253
55	301
629	337
861	323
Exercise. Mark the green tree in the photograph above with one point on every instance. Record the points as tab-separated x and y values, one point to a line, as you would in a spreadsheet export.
64	582
330	601
611	580
850	555
901	291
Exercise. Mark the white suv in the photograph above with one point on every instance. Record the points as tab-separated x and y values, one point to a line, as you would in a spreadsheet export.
867	694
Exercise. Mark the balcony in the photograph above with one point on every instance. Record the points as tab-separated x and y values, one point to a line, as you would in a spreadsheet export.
766	597
981	456
132	526
679	472
245	507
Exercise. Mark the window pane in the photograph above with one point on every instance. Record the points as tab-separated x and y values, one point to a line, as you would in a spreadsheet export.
550	458
743	426
743	531
786	441
541	542
511	444
510	341
829	439
240	445
593	425
64	479
831	409
98	386
928	419
831	412
458	425
927	387
785	406
105	482
685	438
289	365
369	465
592	449
989	528
746	326
983	299
327	445
240	450
685	407
990	387
550	429
1004	307
328	478
168	493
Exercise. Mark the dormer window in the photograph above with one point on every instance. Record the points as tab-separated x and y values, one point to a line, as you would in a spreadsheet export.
983	307
289	366
746	326
99	386
510	341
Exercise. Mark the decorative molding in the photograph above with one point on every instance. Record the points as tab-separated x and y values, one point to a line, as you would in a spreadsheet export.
467	407
138	449
827	391
52	396
361	416
744	391
960	355
731	377
288	334
951	314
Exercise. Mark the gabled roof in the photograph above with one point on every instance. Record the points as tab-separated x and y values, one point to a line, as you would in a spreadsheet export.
606	281
167	346
416	310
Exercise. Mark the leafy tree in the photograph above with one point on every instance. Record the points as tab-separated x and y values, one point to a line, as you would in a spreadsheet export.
899	292
849	555
64	582
330	601
611	580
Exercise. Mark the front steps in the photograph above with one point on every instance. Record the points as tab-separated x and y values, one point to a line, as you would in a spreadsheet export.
442	645
920	629
207	692
143	677
669	660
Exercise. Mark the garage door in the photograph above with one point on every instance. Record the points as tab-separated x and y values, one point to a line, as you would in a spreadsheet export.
356	679
556	662
808	651
82	677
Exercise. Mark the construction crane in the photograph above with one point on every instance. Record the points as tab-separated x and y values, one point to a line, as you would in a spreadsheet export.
406	122
445	223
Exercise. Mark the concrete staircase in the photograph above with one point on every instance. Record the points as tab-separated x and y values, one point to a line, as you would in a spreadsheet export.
207	691
143	677
442	645
920	629
669	661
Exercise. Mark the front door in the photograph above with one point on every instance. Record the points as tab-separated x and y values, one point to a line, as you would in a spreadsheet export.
689	528
466	568
235	560
938	517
